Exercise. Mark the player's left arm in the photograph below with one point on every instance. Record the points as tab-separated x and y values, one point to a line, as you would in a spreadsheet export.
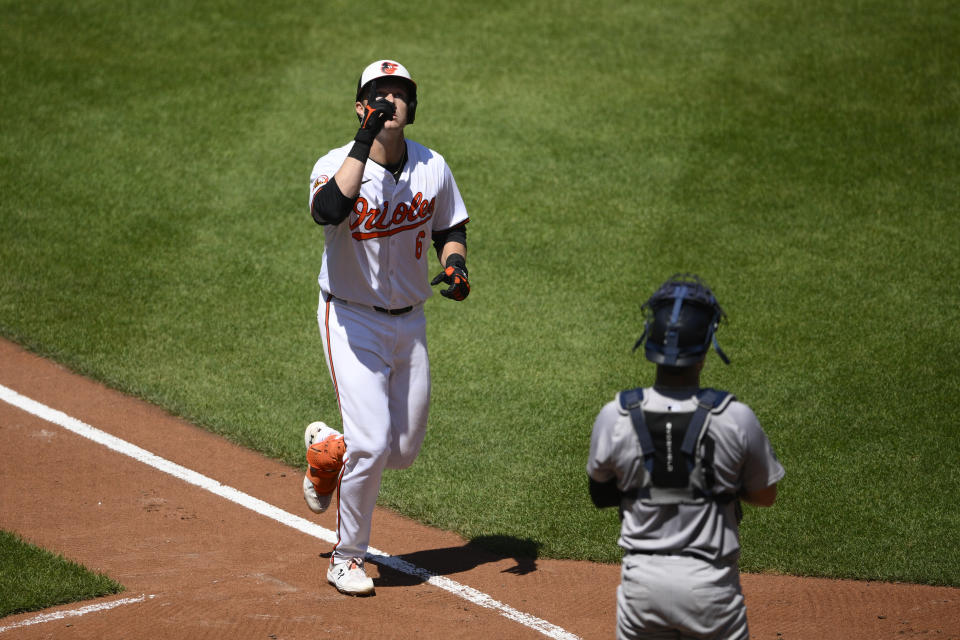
451	246
762	497
761	469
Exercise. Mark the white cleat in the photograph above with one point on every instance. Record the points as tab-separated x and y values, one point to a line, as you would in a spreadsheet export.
349	577
316	502
317	432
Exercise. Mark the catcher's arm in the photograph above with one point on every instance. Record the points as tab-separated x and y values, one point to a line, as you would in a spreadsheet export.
760	498
605	494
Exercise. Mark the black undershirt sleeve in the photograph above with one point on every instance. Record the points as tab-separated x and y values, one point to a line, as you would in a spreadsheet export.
329	205
453	234
604	494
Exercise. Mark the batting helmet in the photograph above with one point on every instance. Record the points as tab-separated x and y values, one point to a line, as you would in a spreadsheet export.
680	321
366	85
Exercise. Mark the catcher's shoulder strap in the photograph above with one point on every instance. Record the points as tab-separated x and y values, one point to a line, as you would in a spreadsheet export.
686	478
631	402
708	400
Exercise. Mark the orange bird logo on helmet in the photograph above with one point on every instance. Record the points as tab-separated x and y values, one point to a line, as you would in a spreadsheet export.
389	67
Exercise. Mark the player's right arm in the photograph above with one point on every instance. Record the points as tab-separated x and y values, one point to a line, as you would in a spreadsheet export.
332	203
602	474
329	204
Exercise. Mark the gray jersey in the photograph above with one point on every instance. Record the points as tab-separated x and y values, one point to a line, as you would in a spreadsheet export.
743	459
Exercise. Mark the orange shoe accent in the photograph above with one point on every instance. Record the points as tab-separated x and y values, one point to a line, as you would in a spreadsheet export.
325	459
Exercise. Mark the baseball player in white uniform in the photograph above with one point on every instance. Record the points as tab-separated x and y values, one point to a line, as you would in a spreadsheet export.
677	459
382	200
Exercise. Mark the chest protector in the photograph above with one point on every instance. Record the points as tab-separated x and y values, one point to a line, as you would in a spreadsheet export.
677	450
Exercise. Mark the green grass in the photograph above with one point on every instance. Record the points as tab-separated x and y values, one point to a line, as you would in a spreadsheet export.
800	157
33	579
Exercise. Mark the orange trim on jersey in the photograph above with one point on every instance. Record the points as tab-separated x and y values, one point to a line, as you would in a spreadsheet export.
333	370
339	482
336	390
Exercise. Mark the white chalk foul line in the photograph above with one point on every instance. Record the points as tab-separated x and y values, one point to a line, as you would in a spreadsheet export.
73	613
266	509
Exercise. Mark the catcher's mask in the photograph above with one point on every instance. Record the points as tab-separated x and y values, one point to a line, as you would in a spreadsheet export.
680	321
367	84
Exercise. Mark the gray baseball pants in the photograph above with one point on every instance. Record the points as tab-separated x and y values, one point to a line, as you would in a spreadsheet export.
663	597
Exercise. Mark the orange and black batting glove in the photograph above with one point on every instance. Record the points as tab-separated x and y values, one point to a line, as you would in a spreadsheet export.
455	275
376	114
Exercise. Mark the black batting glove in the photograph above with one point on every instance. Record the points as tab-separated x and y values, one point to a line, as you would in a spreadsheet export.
455	275
376	114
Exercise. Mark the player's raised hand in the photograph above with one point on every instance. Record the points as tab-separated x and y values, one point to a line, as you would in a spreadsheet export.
455	275
375	115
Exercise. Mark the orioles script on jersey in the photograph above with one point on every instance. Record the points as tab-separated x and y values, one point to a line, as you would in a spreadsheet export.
372	222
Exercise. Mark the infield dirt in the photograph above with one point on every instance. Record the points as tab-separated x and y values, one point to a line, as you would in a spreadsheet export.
210	568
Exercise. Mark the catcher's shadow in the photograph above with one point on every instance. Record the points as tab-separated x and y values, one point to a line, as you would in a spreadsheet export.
417	567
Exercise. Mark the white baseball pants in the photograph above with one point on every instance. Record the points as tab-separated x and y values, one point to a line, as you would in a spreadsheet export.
381	374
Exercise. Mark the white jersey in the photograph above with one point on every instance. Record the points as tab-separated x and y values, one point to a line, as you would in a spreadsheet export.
379	254
743	459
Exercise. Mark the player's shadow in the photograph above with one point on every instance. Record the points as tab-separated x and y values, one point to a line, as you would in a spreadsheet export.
417	567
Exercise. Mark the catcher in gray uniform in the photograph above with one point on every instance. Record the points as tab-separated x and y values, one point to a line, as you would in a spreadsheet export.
677	459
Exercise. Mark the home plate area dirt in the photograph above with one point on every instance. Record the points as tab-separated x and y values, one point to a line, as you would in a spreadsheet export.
196	565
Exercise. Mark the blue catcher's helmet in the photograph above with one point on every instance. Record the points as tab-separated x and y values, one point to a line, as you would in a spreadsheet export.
680	321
